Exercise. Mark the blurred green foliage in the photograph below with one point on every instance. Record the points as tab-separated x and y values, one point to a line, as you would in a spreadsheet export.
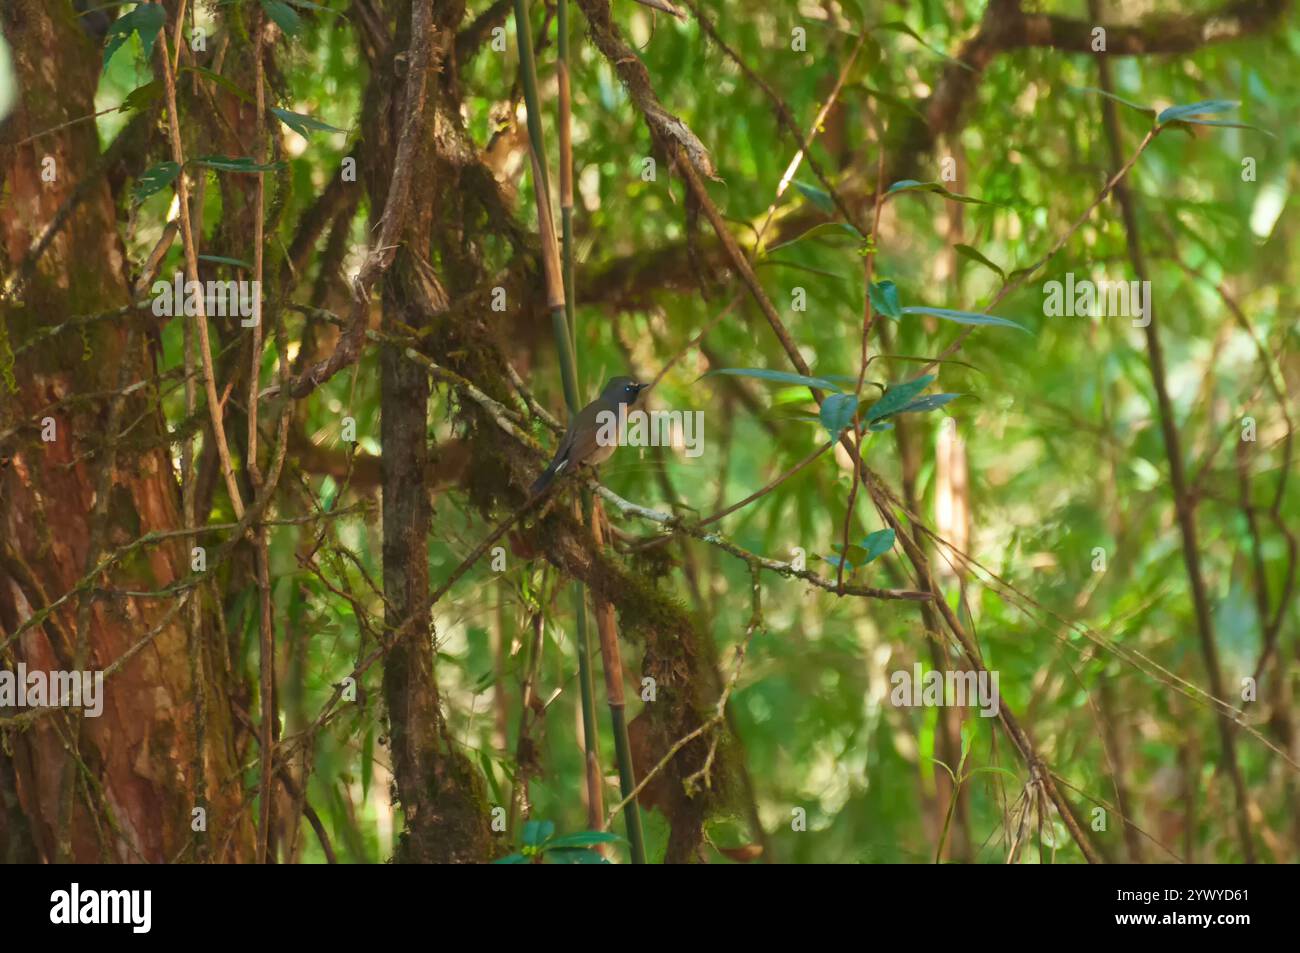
1059	426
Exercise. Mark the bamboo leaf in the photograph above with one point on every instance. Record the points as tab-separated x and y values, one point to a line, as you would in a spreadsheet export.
142	96
285	17
367	760
837	413
1145	110
235	164
776	377
537	832
222	260
225	82
1195	109
153	180
584	839
835	234
303	124
912	185
146	20
966	251
1184	123
898	26
575	856
819	197
821	272
898	397
884	298
965	317
877	544
928	402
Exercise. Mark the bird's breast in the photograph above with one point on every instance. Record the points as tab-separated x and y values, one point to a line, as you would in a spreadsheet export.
600	454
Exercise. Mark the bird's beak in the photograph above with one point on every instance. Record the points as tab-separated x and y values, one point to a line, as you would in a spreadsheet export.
641	388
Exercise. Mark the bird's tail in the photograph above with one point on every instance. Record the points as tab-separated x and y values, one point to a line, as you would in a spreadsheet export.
544	481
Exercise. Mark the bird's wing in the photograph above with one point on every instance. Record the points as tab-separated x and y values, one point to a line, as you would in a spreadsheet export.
565	448
585	431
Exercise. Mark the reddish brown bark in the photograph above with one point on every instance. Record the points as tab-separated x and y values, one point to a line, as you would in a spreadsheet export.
134	796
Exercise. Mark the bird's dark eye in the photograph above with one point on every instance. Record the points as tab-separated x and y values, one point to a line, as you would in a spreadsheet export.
629	388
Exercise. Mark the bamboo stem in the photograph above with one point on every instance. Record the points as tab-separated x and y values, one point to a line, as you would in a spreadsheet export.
560	305
586	685
613	663
590	737
566	168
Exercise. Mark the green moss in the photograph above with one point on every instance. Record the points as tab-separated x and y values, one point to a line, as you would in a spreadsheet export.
7	360
657	562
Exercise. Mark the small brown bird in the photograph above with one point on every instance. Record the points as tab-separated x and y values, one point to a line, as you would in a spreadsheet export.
580	446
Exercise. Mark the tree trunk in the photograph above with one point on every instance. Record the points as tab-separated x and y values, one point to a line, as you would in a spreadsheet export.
439	789
130	790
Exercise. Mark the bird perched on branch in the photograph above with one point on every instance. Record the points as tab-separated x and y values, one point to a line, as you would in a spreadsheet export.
586	443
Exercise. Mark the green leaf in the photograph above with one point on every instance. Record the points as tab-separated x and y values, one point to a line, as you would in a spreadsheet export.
777	377
235	164
225	82
889	99
898	397
152	17
835	234
966	251
485	763
511	859
898	26
302	124
727	832
146	20
835	561
912	185
853	11
965	317
774	263
791	395
285	17
221	260
818	197
154	179
855	554
947	770
1196	109
1145	110
837	413
579	856
536	832
1184	123
884	298
142	96
902	185
877	544
367	760
584	839
843	381
929	402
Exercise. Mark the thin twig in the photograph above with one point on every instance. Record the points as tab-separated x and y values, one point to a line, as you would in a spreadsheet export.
192	273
